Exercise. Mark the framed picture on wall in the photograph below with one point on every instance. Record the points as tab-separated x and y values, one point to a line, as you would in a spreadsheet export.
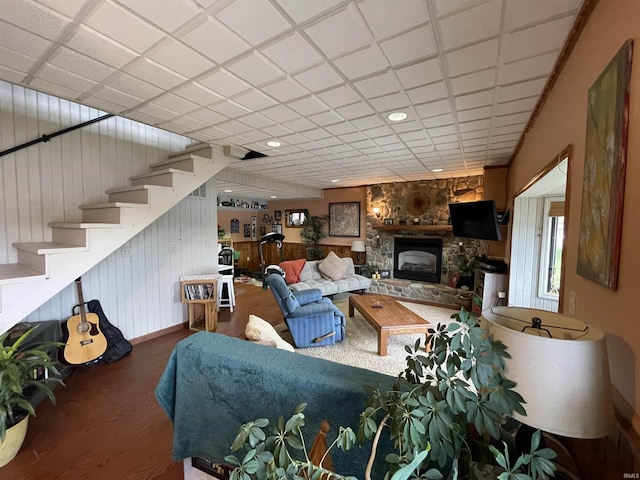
277	228
344	219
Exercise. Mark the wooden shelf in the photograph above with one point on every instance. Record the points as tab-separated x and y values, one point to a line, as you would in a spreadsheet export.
413	228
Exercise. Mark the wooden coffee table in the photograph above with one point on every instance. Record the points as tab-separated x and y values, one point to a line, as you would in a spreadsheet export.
391	319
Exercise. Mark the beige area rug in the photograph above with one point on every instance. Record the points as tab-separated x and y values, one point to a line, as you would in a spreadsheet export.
360	346
248	280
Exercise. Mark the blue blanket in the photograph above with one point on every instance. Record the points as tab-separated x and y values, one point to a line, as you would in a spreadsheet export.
213	384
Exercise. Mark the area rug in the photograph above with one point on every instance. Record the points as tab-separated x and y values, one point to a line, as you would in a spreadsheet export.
248	280
360	346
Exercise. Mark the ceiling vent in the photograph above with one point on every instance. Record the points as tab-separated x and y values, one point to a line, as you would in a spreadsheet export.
241	153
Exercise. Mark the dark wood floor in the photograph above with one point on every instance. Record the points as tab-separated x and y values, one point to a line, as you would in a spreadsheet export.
107	423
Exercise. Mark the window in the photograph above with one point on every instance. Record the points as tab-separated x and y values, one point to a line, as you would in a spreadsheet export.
552	240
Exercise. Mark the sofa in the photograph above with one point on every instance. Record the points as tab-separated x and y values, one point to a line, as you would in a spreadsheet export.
329	280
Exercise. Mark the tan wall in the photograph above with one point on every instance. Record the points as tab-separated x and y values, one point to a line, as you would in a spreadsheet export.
320	207
562	121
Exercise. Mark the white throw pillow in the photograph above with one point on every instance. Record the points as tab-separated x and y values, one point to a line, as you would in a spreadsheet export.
259	330
332	267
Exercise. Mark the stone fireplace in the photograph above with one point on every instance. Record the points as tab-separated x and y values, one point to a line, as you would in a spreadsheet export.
418	259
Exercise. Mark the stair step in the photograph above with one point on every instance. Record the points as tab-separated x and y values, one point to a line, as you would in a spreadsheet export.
43	248
162	177
185	163
107	212
201	149
135	194
84	225
16	273
97	206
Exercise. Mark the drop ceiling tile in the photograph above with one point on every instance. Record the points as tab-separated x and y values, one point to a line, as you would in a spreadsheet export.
420	73
370	121
188	124
442	131
516	106
175	103
329	142
35	18
154	73
471	25
510	119
207	116
198	94
475	134
340	33
474	114
352	137
507	137
432	109
355	110
474	82
69	8
316	134
254	21
116	96
326	118
520	13
475	125
516	128
256	120
214	40
474	100
279	113
383	84
386	140
398	150
213	133
406	126
64	92
416	135
292	54
319	78
425	152
173	14
535	40
229	109
363	62
339	96
286	90
363	145
418	143
385	18
234	127
76	62
65	78
299	125
383	131
22	41
133	86
224	83
476	142
521	90
180	58
123	27
157	111
438	120
303	11
533	67
18	62
445	139
393	102
254	100
410	46
255	69
428	93
473	58
342	128
308	106
448	149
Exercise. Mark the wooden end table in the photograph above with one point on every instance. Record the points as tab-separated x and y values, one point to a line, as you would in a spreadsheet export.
391	319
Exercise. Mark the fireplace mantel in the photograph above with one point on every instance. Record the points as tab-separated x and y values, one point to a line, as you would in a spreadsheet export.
437	229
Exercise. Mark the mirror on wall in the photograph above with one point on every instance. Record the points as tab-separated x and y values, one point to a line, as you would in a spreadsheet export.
295	218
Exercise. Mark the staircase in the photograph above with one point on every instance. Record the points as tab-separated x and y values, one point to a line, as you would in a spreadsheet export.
45	268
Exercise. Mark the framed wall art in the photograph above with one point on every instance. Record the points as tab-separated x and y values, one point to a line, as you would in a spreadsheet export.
344	219
604	171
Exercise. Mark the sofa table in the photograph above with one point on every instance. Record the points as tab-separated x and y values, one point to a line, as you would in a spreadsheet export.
390	318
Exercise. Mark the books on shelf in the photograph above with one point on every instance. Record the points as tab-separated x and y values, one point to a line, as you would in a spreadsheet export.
198	291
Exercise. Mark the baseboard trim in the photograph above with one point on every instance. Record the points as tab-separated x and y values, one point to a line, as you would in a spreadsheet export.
159	333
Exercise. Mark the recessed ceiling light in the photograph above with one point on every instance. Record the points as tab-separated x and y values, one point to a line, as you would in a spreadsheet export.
273	196
273	143
228	191
436	170
397	116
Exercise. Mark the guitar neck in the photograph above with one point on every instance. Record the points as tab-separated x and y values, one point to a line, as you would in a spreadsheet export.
83	313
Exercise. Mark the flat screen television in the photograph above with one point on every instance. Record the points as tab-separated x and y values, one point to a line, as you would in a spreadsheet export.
475	220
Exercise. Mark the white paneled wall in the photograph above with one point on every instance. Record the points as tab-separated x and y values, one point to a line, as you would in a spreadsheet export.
49	181
524	268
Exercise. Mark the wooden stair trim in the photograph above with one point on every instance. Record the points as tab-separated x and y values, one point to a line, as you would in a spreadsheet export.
17	273
136	188
44	248
84	225
157	173
113	205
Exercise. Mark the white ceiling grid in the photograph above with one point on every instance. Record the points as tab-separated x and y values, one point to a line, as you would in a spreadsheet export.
320	76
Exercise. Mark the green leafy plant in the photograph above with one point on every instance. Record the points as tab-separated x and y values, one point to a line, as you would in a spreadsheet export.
312	232
443	415
18	363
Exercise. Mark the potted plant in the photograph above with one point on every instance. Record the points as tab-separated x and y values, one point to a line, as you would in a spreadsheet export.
23	369
443	417
312	232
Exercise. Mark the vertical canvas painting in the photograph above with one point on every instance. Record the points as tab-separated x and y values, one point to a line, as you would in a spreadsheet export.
604	171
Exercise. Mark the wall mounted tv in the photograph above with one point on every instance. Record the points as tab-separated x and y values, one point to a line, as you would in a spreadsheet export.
475	220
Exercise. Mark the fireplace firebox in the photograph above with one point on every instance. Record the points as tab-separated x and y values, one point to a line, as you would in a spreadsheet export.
417	259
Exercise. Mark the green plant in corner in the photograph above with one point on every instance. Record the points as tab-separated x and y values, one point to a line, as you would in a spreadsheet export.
312	232
18	366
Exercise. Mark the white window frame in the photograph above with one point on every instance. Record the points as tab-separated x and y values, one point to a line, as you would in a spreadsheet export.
544	250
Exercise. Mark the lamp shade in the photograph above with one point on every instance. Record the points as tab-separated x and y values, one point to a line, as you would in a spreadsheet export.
357	246
560	368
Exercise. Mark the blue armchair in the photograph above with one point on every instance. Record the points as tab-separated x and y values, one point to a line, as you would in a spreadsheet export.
312	319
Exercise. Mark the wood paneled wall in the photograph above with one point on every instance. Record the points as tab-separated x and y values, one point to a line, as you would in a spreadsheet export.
138	284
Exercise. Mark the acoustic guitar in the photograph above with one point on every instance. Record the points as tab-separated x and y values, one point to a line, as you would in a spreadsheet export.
86	341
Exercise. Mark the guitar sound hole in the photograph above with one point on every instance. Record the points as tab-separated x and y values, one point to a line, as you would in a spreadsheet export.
84	327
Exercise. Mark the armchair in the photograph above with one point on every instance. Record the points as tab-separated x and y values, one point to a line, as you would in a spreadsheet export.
312	319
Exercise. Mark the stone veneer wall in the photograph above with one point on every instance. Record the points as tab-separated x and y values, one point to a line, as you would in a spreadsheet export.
428	201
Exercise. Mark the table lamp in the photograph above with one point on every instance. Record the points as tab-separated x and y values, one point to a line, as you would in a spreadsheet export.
561	369
358	247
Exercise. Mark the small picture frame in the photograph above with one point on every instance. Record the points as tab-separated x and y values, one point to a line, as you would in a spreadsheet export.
454	278
277	228
385	273
263	231
277	215
388	221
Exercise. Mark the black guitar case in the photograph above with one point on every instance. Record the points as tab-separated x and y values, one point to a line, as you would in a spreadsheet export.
117	345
